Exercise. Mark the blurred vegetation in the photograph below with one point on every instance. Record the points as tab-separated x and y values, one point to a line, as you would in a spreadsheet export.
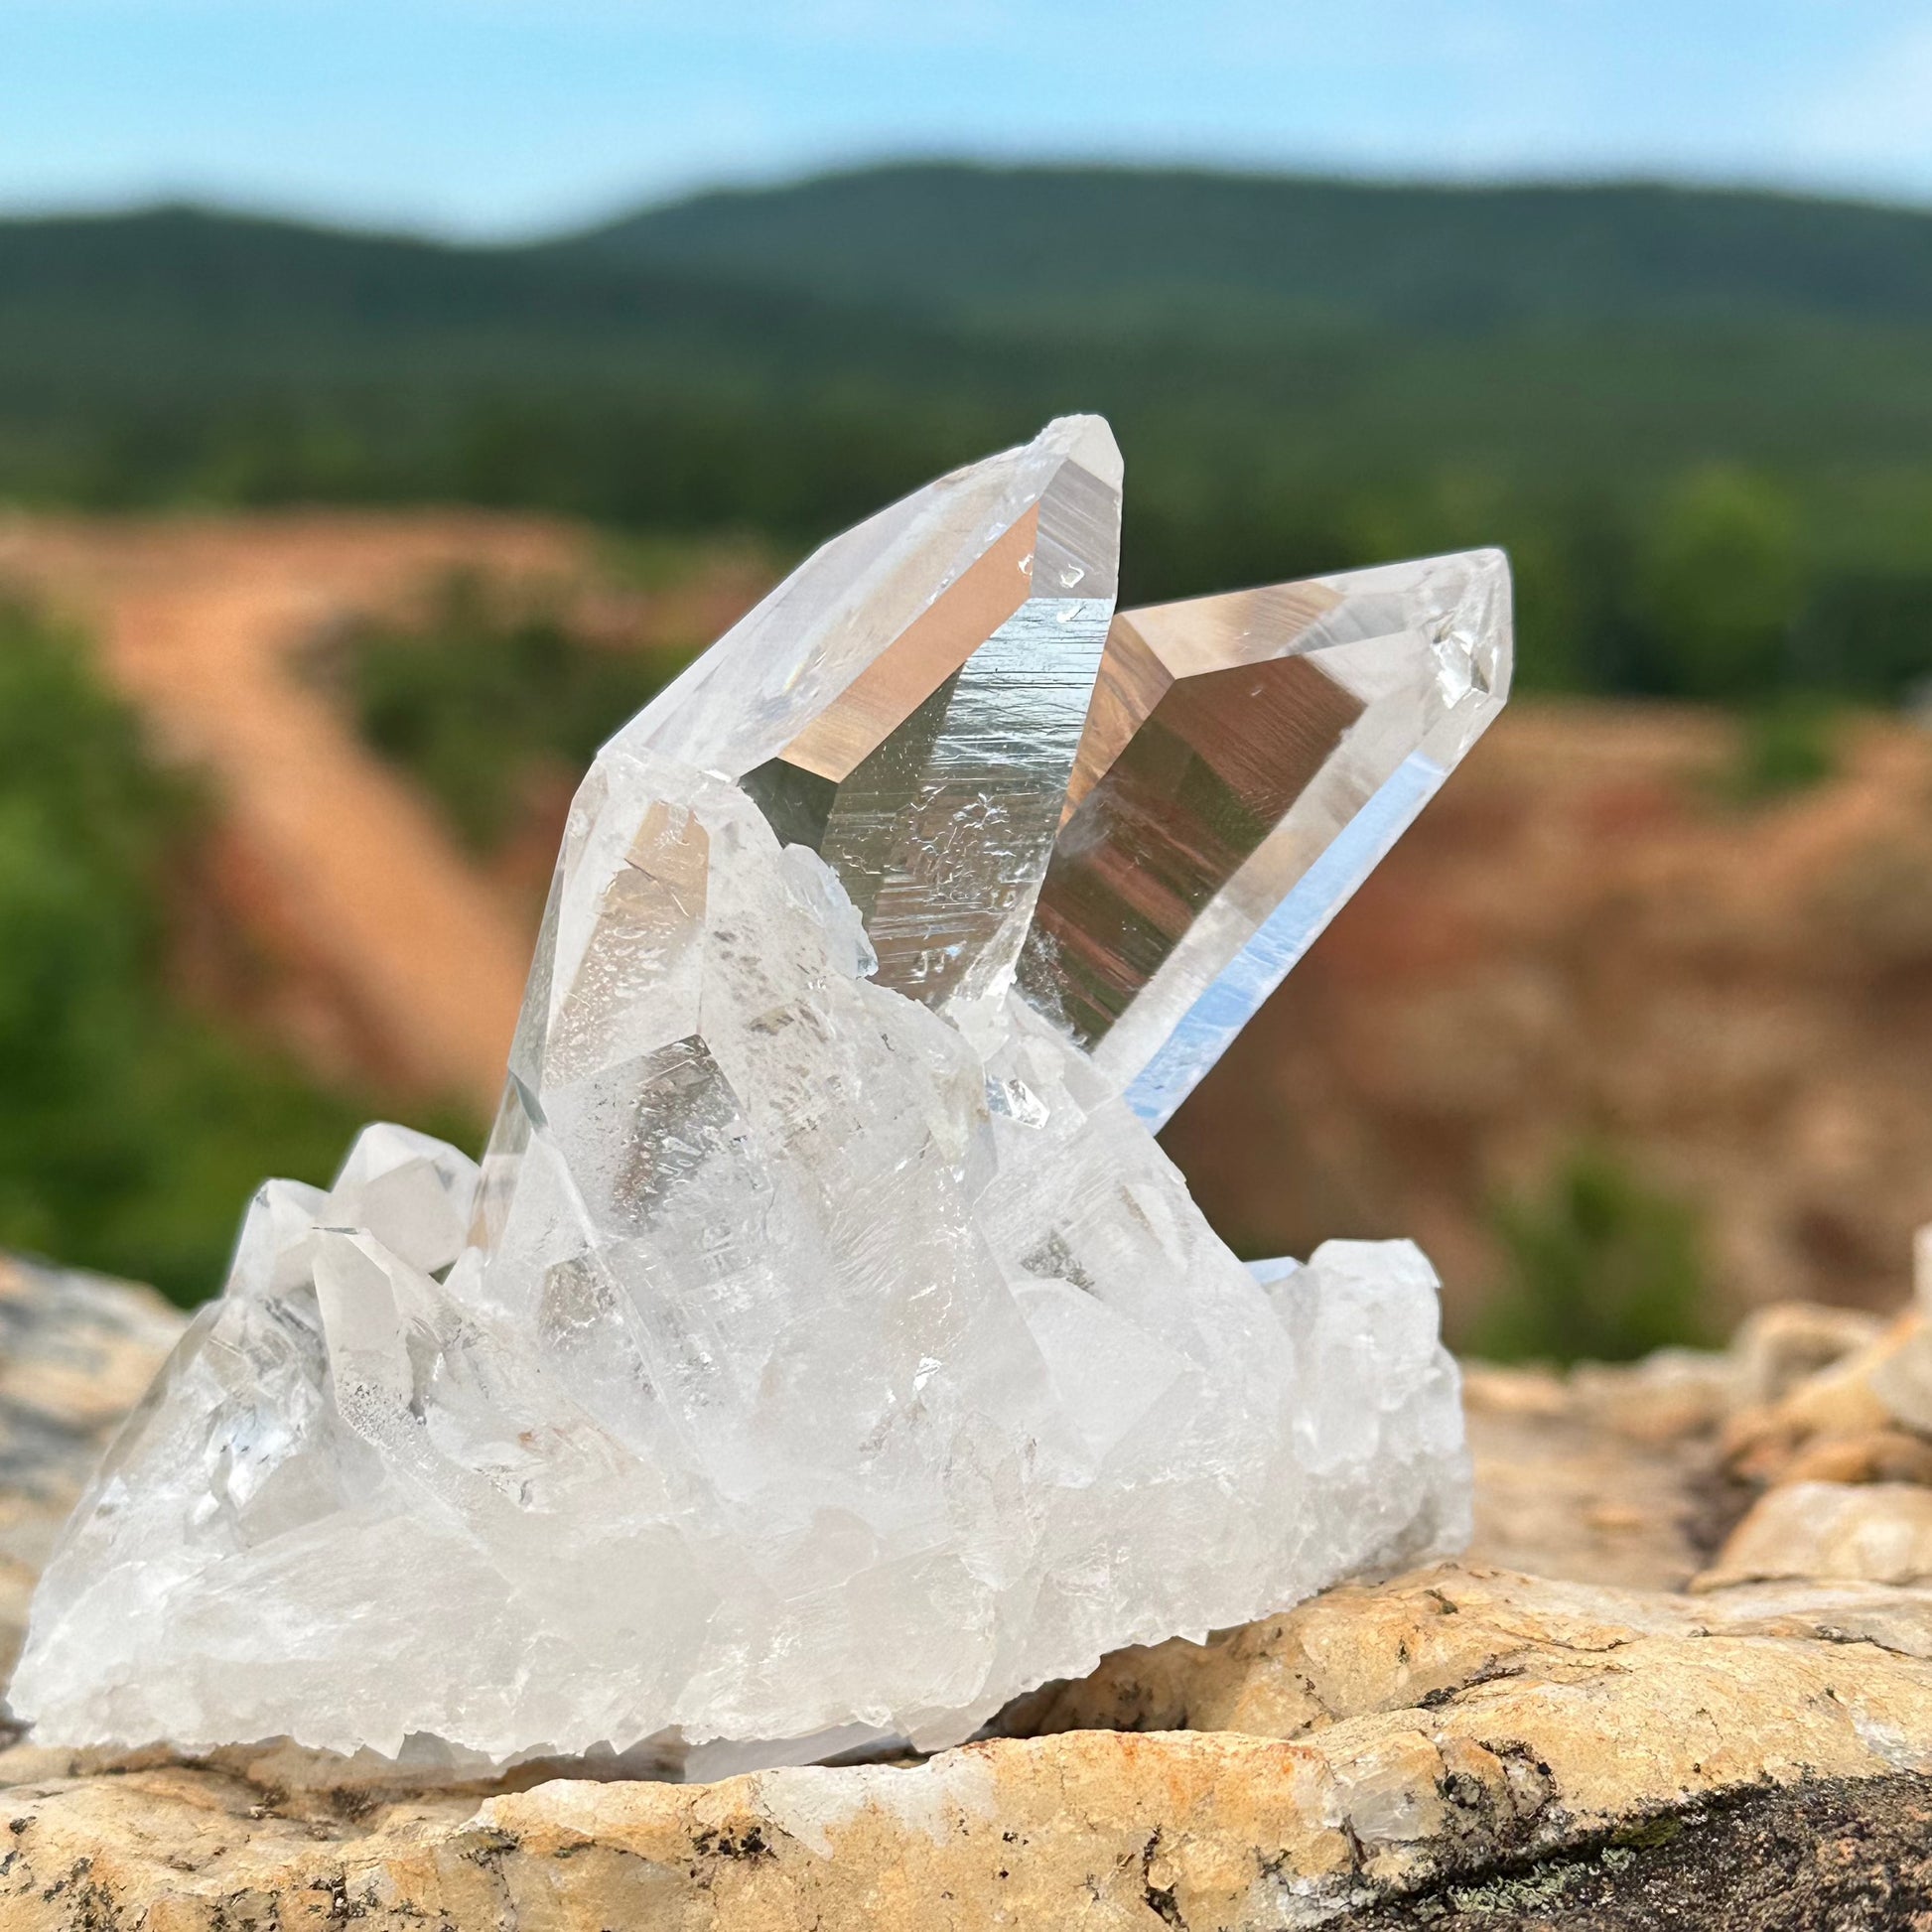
1700	421
1787	744
1599	1267
481	701
133	1131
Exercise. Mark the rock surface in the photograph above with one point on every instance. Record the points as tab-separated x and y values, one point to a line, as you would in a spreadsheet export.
1837	1854
1877	1530
1593	1746
1389	1740
77	1351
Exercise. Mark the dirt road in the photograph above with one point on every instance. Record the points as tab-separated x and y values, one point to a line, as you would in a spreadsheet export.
334	857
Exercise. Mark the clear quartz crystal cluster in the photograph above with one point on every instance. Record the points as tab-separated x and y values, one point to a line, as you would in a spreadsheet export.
825	1350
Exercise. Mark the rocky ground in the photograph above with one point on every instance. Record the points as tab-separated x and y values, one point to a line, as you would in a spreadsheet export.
1684	1676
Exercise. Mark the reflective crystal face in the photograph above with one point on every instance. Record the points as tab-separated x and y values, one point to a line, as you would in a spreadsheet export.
908	703
1247	760
825	1351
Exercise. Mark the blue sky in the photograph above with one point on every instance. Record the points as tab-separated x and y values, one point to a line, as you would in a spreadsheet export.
500	117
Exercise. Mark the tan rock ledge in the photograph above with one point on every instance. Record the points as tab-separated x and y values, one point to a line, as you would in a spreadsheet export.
1408	1741
1423	1730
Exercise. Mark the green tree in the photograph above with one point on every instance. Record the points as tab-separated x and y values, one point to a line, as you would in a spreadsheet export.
1720	583
1599	1267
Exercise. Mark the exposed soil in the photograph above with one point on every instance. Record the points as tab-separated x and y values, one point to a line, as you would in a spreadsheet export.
339	908
1582	940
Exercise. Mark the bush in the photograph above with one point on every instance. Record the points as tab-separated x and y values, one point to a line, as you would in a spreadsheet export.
1785	744
483	699
1720	582
132	1131
1598	1268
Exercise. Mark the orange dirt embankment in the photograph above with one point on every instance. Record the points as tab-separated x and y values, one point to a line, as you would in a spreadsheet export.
1583	940
413	964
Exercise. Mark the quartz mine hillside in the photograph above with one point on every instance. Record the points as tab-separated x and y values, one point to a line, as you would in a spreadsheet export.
1521	966
1589	935
391	953
1684	1676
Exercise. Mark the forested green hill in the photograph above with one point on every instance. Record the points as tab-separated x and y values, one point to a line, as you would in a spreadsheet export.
1700	421
1099	250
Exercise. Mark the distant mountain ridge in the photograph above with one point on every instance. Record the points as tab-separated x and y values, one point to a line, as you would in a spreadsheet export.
1084	246
1033	243
1664	400
254	283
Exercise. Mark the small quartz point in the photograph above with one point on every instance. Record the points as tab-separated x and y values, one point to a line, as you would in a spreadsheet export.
1247	762
824	1351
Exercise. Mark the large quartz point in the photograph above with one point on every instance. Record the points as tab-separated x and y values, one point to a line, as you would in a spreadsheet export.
825	1351
908	705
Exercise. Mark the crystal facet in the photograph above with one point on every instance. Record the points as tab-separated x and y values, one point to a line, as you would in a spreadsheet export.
824	1351
908	703
1247	762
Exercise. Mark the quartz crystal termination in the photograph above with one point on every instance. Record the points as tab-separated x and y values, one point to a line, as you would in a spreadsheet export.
1247	762
910	704
825	1351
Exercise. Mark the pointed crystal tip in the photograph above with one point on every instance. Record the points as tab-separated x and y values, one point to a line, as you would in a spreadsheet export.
1089	442
1246	761
907	704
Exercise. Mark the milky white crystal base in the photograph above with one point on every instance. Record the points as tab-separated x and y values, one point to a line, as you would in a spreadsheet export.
895	1373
